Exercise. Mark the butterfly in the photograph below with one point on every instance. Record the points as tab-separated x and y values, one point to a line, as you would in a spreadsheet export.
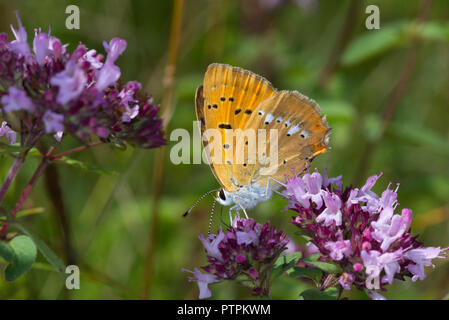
232	99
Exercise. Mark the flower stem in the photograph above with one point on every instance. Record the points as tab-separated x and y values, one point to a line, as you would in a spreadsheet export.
11	175
40	169
74	150
16	166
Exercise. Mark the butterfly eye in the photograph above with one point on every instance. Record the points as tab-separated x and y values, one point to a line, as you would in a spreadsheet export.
222	195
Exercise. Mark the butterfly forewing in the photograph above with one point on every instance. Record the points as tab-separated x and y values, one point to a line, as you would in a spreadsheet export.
239	103
230	96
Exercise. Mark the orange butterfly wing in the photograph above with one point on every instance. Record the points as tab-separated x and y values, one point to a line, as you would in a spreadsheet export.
229	97
235	101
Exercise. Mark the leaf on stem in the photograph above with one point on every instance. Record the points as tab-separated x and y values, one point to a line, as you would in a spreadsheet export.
284	264
21	253
48	253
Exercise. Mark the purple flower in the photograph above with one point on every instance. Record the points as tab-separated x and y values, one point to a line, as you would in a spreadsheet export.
211	244
108	75
10	134
339	249
422	257
71	83
53	122
375	262
297	188
74	92
388	228
41	46
20	45
313	184
114	49
346	280
332	213
247	249
92	58
15	100
203	280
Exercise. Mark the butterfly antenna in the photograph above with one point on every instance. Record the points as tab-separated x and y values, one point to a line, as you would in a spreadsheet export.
198	201
212	211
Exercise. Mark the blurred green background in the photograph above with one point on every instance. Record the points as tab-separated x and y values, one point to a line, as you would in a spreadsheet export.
385	93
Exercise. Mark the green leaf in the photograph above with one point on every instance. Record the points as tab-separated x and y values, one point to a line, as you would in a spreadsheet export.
303	234
29	212
338	111
284	263
327	267
310	273
373	43
421	136
11	148
24	256
48	253
315	294
85	166
7	252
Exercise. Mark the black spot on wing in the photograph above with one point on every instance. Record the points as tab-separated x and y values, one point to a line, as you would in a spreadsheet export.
225	126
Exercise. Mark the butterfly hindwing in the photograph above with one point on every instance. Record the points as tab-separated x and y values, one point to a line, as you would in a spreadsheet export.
302	134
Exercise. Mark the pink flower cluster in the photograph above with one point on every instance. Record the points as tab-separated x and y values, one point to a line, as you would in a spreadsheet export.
359	230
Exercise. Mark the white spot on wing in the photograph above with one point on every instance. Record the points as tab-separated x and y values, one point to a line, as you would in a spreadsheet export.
293	130
261	112
269	118
304	134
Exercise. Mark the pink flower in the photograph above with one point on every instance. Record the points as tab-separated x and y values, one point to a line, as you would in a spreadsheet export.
17	99
339	249
114	49
211	245
203	280
388	228
297	188
313	184
332	212
53	122
106	76
71	83
247	237
375	262
422	257
94	60
10	134
346	280
41	45
20	45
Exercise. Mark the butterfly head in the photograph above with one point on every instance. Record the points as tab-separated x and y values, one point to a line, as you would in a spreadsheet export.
223	198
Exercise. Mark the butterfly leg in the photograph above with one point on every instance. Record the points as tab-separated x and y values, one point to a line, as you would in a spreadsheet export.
268	186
